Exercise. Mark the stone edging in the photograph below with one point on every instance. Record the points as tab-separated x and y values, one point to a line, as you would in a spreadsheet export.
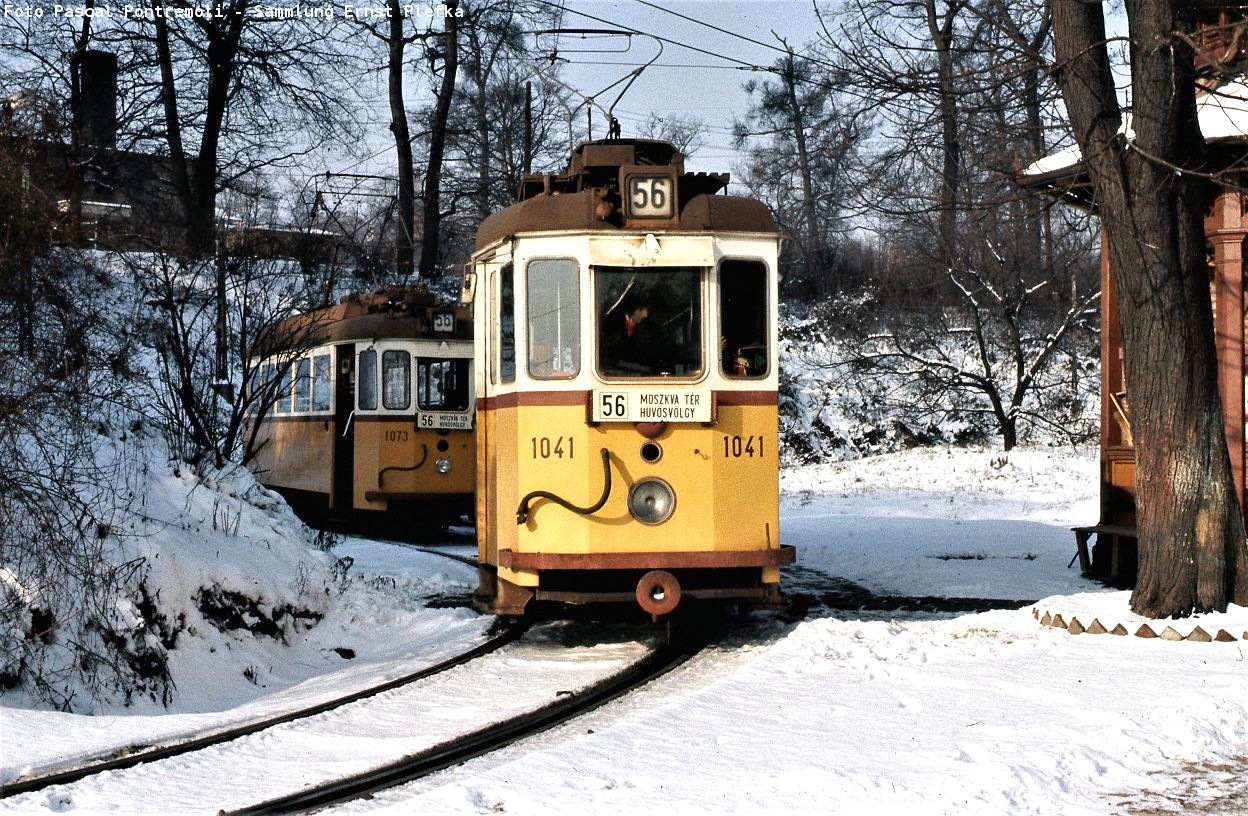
1075	627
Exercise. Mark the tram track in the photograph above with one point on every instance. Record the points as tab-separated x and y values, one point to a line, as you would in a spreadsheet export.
227	766
813	592
663	659
556	671
130	756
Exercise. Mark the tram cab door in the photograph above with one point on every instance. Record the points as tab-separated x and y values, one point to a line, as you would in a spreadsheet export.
496	372
342	491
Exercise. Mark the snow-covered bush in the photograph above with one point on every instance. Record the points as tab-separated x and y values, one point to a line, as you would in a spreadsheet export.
99	516
842	395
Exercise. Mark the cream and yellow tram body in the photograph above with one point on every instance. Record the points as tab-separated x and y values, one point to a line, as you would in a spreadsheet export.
627	388
370	413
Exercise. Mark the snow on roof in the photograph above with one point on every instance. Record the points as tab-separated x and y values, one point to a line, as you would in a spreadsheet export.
1222	113
1063	159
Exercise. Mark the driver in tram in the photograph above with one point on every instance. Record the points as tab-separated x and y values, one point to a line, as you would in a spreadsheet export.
631	342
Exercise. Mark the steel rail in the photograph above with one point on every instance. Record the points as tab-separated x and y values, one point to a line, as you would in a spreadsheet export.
132	755
491	738
810	589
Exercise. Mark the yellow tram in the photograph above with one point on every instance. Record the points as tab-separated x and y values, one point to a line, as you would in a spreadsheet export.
626	380
365	410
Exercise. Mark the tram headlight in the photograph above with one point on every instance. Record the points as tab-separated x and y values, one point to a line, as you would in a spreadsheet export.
651	501
443	466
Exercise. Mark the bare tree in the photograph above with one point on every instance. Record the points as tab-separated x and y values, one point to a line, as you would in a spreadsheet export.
236	91
970	289
402	142
203	421
28	222
397	35
432	221
686	132
802	139
1192	551
67	392
491	31
505	119
907	61
984	343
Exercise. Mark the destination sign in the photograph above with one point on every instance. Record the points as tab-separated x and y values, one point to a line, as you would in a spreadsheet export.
444	421
652	405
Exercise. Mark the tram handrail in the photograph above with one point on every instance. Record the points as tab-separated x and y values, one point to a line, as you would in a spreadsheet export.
522	512
424	455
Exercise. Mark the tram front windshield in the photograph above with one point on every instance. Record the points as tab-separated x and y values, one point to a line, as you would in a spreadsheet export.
649	321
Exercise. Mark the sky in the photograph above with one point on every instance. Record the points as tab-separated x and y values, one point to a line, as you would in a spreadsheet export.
710	49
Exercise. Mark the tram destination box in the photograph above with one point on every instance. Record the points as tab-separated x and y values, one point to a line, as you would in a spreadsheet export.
651	405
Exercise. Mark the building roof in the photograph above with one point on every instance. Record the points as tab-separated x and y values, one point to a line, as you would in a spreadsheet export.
1222	113
1223	116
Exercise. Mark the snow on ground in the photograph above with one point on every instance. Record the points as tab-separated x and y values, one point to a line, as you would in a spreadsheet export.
841	712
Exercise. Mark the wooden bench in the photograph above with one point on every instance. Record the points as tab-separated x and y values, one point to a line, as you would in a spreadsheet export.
1082	534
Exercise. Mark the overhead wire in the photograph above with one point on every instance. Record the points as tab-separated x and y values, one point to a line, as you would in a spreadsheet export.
738	63
742	37
630	29
735	64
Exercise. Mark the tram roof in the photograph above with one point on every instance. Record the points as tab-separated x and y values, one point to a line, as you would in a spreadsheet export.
389	313
586	196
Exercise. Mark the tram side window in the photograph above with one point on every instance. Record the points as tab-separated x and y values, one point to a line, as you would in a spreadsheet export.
320	382
283	390
554	298
506	325
649	321
257	387
367	376
303	384
442	385
396	380
743	319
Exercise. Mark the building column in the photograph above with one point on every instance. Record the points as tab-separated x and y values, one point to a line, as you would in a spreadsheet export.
1227	234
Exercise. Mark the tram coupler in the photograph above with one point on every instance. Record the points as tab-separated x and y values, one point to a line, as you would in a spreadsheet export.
658	592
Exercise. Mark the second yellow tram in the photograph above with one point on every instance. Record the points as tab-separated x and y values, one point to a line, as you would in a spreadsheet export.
365	411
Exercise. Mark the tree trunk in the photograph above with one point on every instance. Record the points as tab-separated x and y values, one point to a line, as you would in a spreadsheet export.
406	252
810	214
1192	553
941	30
173	124
437	147
222	56
77	163
197	190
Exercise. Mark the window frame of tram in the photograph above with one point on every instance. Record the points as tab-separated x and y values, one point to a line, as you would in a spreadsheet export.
256	379
505	315
553	313
322	373
302	384
396	379
443	384
744	303
366	379
263	380
652	347
284	389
